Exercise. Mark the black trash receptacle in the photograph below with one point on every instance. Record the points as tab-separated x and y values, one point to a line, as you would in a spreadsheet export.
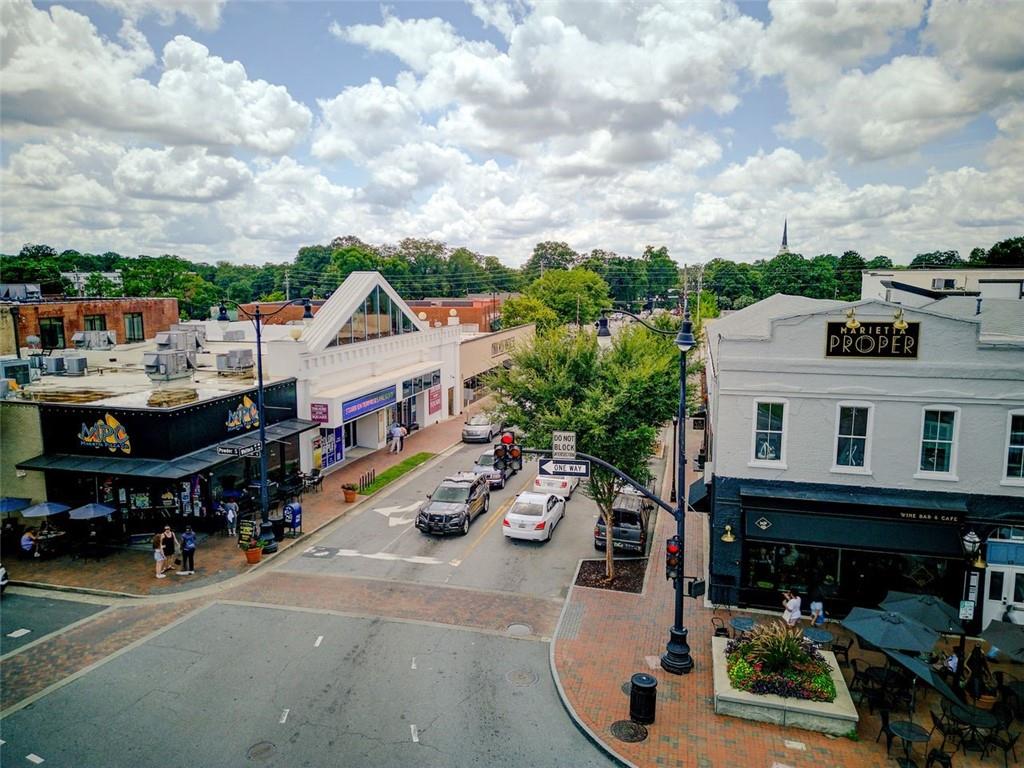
643	698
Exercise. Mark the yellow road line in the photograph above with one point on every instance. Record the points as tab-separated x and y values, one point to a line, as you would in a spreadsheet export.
497	515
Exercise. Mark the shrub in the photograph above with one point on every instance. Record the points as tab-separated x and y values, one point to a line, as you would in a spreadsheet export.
777	659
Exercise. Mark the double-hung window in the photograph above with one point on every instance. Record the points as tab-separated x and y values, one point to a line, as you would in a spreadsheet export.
1014	468
853	438
938	443
133	330
769	434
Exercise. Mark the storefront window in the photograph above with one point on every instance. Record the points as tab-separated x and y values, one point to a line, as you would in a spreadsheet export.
358	322
937	441
384	312
396	319
852	438
95	322
1015	448
768	432
350	434
372	315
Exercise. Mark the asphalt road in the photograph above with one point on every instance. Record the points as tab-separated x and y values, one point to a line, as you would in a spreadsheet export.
39	616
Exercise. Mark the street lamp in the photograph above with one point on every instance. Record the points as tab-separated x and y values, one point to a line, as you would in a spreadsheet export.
257	318
675	431
676	658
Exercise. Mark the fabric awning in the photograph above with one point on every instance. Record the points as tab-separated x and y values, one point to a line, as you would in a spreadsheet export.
159	469
698	496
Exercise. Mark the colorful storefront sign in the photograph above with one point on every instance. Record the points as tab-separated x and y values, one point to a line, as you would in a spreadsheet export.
360	406
243	416
106	433
434	400
320	412
332	446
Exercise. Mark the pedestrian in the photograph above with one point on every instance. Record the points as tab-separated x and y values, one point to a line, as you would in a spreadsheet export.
396	438
817	607
791	604
169	544
29	544
188	552
158	555
231	515
401	438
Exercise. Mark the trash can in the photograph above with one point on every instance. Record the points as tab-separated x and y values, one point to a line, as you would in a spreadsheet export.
643	697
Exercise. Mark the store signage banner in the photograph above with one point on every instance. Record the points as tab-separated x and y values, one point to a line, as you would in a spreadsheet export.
245	415
435	399
332	446
360	406
106	433
320	412
874	340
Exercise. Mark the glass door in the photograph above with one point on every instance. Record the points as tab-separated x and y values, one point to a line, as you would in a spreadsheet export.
1004	594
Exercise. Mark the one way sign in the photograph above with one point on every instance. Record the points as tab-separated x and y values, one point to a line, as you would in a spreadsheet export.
574	468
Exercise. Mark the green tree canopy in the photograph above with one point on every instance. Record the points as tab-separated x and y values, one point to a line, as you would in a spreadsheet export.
549	255
1006	253
520	310
662	273
937	259
879	262
572	294
848	270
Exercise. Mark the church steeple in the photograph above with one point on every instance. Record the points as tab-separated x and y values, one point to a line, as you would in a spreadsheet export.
785	236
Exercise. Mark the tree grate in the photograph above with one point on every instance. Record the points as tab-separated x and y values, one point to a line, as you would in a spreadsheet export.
628	731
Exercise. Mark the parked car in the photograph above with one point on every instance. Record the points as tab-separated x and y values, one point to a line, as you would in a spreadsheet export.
631	518
3	579
558	485
482	427
485	466
533	516
454	503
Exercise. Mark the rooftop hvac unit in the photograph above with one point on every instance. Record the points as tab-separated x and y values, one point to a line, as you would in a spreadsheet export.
52	364
166	365
76	365
19	370
197	329
238	335
234	360
94	339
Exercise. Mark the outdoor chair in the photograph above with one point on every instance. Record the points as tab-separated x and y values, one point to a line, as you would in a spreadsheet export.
313	481
889	735
948	730
719	626
1004	741
859	681
841	650
938	757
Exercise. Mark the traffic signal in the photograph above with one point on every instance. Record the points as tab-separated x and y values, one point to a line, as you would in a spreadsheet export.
501	456
673	558
515	456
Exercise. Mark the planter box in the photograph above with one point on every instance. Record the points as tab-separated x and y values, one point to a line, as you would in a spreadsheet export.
836	718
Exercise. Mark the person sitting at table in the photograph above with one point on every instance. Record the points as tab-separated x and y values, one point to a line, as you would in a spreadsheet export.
29	543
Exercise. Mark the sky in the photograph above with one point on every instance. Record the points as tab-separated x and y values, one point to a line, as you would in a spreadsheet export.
242	131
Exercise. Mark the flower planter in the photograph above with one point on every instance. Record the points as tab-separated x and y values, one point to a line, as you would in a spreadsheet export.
350	496
253	556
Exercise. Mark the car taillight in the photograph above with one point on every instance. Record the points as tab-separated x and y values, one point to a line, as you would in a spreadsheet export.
597	531
539	526
565	484
506	523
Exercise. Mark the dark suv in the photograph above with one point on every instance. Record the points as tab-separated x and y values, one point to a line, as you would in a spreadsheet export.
631	518
454	503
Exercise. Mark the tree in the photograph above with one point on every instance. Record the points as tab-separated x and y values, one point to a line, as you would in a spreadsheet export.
937	259
574	295
549	255
98	285
880	262
821	277
731	280
744	301
786	273
526	309
1006	253
662	272
848	270
614	401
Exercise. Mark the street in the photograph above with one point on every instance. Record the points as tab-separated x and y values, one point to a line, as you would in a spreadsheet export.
373	645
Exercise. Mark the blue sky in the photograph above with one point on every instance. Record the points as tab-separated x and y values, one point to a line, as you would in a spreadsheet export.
245	130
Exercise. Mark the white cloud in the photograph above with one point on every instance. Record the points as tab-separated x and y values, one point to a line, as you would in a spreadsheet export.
365	120
187	175
779	169
205	14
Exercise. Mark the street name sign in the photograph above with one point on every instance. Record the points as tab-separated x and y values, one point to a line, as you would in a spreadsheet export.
239	450
559	467
563	445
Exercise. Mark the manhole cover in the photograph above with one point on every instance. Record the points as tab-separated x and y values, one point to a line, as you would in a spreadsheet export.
522	678
261	750
519	630
627	730
627	688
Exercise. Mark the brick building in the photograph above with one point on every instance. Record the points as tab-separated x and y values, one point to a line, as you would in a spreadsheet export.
481	310
56	322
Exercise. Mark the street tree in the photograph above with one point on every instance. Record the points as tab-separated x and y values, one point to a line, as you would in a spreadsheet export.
614	400
549	255
96	284
662	273
879	262
848	270
1006	253
937	259
574	295
520	310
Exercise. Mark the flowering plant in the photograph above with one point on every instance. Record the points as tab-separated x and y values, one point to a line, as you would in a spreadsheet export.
349	487
778	659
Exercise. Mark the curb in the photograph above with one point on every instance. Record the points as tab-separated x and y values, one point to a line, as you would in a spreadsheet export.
583	728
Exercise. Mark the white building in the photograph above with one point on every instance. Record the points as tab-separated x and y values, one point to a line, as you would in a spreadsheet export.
917	287
850	447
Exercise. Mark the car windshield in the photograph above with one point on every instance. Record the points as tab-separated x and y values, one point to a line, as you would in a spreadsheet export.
527	509
480	420
456	493
486	460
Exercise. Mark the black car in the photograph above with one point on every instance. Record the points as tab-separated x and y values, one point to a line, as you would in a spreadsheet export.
631	518
453	505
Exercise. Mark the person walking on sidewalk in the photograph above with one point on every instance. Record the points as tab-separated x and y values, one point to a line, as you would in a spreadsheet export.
396	438
188	552
401	437
169	544
158	555
231	515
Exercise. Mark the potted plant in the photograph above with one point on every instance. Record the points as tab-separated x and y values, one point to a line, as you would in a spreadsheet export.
254	551
349	489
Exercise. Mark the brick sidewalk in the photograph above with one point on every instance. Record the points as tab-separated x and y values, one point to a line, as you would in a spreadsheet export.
605	637
130	572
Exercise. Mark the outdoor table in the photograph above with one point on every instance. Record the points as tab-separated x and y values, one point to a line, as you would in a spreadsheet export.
910	733
880	676
975	721
741	624
49	543
819	636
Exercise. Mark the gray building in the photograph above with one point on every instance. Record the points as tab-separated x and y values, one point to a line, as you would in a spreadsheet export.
851	446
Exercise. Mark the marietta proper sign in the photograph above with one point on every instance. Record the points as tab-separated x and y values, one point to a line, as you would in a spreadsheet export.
563	445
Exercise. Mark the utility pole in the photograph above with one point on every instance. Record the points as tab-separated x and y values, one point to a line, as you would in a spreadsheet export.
700	289
287	287
577	310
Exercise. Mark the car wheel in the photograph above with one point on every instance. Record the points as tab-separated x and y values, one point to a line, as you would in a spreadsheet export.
487	500
465	526
568	496
551	530
502	482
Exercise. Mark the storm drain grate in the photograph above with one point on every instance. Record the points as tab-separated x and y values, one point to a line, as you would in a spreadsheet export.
522	678
261	750
519	630
628	731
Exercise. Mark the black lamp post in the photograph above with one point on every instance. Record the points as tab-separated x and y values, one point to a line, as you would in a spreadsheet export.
676	658
257	318
971	544
675	440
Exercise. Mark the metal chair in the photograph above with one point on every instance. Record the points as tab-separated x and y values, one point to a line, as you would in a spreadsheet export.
938	757
1004	741
889	735
948	730
719	626
842	650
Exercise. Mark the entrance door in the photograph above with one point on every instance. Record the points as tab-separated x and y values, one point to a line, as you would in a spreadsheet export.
409	410
1004	594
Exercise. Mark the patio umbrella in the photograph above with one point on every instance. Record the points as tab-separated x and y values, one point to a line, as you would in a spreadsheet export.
45	509
886	629
90	511
922	671
1007	637
10	504
925	609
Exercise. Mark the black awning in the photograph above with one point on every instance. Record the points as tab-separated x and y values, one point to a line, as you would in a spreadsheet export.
160	469
855	496
698	496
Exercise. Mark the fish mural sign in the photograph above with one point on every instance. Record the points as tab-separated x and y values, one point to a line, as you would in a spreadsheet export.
245	416
106	433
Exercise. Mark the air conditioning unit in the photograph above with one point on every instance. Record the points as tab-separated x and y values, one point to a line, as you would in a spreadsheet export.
76	365
236	335
183	341
196	329
166	364
52	364
94	339
19	370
